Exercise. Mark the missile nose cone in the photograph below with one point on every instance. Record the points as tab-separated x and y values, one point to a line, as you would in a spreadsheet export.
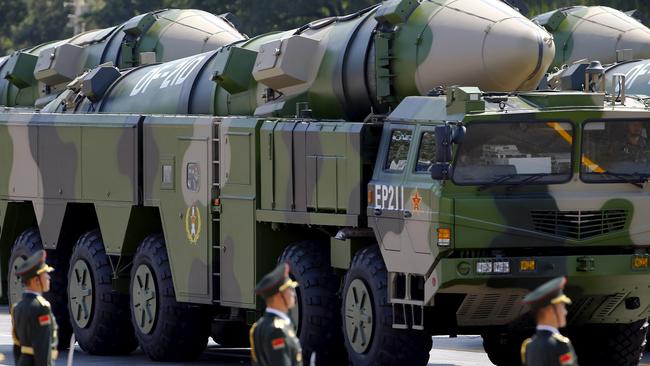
482	43
638	40
516	54
596	33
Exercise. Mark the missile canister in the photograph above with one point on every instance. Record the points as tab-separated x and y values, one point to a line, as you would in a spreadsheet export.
594	33
343	67
37	75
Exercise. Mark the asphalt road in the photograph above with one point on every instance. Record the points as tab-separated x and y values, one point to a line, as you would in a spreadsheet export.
461	351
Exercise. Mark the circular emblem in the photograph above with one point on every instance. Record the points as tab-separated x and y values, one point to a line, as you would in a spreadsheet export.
193	224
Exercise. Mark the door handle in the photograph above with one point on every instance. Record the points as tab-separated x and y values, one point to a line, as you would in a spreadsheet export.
407	214
377	212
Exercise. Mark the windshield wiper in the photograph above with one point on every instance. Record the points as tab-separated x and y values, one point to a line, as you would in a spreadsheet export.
628	177
503	179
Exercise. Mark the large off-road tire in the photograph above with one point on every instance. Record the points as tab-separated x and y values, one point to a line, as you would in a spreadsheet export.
610	344
58	295
98	314
166	329
503	349
27	244
317	313
368	318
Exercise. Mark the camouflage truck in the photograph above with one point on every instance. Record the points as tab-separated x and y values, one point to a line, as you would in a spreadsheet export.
396	226
33	77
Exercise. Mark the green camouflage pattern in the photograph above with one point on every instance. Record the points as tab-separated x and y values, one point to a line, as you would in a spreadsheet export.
594	33
230	181
342	68
165	35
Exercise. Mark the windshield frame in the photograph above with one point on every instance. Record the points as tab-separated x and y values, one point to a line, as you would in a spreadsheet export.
612	179
572	150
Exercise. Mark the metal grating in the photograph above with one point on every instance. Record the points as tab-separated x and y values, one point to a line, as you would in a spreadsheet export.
579	224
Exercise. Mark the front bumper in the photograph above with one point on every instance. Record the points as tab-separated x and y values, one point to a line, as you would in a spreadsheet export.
604	288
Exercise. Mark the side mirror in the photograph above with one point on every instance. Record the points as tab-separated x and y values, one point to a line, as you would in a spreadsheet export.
459	135
440	171
443	143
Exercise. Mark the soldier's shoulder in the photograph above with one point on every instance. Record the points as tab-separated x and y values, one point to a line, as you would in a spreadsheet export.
280	323
40	300
560	338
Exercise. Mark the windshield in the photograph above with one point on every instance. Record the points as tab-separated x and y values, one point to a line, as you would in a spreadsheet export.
615	151
514	153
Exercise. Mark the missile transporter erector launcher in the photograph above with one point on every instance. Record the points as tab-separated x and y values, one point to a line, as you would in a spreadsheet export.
435	219
33	77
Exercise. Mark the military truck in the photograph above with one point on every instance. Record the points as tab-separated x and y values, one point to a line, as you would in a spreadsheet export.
435	218
33	77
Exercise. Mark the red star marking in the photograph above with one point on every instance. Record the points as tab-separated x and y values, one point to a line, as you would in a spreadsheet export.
416	199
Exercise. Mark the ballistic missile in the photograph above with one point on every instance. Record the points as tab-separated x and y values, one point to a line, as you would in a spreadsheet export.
339	67
594	33
35	76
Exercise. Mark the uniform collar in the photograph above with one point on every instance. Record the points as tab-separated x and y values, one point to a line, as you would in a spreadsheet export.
278	313
33	293
548	328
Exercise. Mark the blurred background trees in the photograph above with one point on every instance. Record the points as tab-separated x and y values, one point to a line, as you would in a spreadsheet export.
25	23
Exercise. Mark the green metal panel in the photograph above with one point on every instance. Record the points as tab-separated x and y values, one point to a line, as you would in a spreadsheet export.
113	221
238	242
109	164
186	141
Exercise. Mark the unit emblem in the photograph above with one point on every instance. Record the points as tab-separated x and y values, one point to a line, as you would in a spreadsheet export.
415	200
193	224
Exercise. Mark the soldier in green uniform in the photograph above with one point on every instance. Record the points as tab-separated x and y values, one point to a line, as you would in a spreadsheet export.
34	327
548	347
273	338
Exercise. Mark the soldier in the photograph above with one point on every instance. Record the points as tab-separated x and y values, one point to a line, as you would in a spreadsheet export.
273	338
635	147
34	327
548	347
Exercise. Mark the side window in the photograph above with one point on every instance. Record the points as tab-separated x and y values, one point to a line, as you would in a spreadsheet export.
426	152
398	150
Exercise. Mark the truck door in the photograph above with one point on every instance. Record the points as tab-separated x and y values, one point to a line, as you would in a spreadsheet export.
403	199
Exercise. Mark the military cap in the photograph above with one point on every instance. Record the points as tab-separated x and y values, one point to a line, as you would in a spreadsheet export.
34	266
275	281
547	294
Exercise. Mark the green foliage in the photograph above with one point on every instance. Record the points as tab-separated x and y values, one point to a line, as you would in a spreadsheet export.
25	23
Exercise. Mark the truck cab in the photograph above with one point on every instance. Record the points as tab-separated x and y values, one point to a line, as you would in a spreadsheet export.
477	199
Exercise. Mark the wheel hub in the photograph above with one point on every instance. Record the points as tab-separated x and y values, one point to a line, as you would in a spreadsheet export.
15	284
80	293
358	316
144	298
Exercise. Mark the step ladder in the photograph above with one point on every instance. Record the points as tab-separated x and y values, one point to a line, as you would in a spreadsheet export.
215	214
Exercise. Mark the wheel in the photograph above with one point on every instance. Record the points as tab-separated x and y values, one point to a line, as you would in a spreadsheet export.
166	330
503	349
316	315
609	344
231	333
58	295
368	318
27	244
98	314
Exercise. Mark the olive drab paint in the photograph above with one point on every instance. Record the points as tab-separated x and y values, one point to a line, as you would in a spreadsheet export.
158	36
594	33
233	155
